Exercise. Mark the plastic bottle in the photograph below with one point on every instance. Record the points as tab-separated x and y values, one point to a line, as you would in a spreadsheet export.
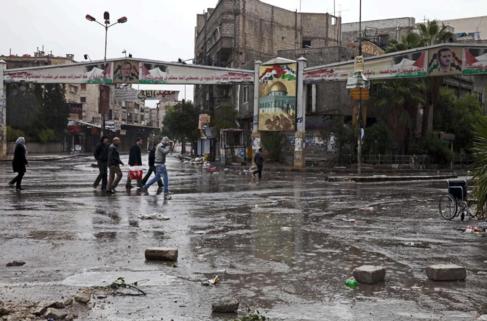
351	283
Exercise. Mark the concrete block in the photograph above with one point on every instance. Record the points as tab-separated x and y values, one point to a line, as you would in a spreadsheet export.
161	254
369	274
229	306
446	272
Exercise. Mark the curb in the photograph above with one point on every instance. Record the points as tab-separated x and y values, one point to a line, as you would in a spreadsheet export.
383	178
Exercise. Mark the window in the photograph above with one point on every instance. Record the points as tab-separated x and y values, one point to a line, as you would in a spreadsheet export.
309	99
306	43
245	94
82	99
83	86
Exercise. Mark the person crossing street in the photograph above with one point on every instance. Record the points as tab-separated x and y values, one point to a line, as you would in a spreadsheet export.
162	150
101	156
114	163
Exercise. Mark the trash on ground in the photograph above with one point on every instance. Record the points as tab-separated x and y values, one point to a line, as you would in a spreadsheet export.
120	287
154	216
15	263
214	281
480	228
351	283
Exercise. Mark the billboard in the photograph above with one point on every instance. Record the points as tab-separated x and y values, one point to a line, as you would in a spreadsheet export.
411	64
130	71
475	61
104	99
439	60
277	97
445	61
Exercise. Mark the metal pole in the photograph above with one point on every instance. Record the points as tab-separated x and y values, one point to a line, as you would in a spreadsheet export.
359	122
3	112
104	77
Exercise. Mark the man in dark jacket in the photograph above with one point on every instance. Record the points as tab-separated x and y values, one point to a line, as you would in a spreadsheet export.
19	162
259	162
135	159
114	163
152	168
101	156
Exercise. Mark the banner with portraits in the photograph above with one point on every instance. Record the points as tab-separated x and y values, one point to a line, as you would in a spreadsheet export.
130	71
439	60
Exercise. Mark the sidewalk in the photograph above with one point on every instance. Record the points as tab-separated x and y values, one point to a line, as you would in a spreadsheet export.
341	174
45	157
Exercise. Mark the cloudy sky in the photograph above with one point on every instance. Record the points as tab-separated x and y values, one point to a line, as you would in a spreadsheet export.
164	29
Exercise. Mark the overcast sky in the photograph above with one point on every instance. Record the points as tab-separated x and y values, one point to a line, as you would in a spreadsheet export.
164	29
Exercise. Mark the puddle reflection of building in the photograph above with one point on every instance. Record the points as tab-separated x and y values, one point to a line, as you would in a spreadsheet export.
278	236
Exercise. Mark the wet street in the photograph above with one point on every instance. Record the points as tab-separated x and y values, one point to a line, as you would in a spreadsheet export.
283	246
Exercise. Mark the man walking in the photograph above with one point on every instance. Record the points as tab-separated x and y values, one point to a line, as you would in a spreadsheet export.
135	159
101	156
259	162
152	168
114	163
162	150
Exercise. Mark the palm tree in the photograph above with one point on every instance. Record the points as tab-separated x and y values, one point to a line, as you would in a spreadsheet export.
409	41
396	103
431	33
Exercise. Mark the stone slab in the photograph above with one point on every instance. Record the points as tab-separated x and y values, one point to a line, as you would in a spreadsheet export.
446	272
230	306
161	254
369	274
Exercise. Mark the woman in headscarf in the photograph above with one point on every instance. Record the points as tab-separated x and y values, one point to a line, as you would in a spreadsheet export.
19	162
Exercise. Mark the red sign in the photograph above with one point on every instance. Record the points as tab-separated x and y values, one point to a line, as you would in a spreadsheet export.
104	101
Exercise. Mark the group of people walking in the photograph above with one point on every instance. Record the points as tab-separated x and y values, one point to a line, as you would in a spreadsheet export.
108	161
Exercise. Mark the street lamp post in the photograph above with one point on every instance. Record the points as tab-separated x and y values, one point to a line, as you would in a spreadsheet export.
359	86
359	122
105	25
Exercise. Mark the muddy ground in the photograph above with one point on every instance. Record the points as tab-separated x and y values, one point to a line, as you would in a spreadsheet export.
283	246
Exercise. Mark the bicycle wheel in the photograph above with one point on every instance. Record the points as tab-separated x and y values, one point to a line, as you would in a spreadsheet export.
448	207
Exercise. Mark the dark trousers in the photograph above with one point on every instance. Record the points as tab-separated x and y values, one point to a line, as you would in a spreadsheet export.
259	171
102	176
18	179
152	169
115	177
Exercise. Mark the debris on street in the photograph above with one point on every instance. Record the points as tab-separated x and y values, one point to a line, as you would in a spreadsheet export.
225	306
15	263
351	282
446	272
161	254
369	274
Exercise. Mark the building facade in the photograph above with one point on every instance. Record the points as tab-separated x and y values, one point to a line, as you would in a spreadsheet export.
236	33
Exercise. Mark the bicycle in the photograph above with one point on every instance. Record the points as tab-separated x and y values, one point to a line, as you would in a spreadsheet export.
456	201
